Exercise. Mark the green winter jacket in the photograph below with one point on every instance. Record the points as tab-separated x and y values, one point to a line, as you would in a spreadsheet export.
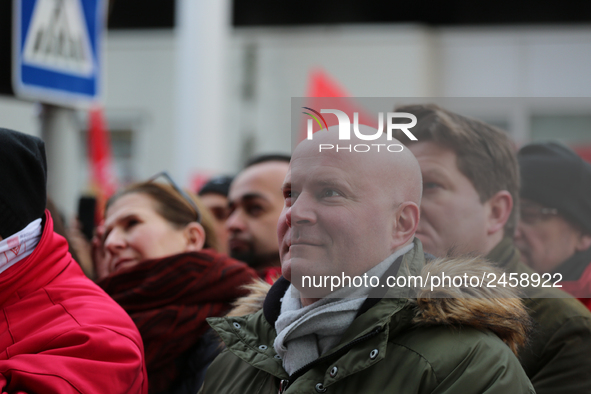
395	346
558	356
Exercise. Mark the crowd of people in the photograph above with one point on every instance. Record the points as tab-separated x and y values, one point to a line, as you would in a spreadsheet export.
204	291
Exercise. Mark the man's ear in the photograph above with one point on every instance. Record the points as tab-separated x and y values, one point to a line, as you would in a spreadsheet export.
584	243
406	223
499	210
195	237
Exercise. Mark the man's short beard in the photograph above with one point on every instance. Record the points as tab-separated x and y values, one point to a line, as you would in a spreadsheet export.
257	261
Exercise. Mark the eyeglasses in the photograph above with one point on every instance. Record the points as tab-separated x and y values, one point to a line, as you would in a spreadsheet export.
531	214
180	191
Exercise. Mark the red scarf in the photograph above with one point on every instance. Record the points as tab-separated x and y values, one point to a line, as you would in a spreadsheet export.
270	274
169	300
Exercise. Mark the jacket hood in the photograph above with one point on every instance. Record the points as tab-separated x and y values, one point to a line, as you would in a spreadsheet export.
498	309
253	302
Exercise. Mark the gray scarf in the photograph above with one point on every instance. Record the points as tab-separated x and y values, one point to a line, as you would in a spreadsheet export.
306	333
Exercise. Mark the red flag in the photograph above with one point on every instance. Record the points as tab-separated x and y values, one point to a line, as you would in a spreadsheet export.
324	92
103	180
198	180
584	151
322	85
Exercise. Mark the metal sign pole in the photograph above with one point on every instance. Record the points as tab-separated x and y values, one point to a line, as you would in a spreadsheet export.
60	131
57	59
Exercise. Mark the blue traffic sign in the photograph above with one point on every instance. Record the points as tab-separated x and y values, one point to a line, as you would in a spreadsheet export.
57	50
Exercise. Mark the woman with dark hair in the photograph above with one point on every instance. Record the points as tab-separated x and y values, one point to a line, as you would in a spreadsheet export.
163	270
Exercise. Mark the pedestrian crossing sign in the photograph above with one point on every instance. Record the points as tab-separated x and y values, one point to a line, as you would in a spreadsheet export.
56	50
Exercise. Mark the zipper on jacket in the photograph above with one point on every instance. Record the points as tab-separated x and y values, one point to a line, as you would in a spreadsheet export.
285	383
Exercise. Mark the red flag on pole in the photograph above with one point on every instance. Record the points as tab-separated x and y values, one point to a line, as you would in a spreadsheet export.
103	180
322	85
325	92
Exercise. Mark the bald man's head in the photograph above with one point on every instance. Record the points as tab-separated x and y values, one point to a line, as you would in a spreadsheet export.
391	164
346	211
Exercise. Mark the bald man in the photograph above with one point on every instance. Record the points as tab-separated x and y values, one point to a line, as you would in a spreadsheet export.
355	214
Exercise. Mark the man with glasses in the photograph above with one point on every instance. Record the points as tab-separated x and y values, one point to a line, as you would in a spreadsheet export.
470	191
554	230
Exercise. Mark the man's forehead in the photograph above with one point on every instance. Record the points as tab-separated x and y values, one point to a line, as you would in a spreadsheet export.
436	160
433	149
309	163
319	172
214	199
378	169
264	179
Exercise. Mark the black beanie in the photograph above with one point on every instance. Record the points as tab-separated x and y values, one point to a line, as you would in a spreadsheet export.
556	177
23	178
218	185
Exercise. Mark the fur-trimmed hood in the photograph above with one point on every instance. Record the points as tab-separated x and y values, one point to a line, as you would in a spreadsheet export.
498	309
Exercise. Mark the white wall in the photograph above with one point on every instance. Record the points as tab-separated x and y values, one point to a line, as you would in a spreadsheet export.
139	93
19	115
518	62
515	62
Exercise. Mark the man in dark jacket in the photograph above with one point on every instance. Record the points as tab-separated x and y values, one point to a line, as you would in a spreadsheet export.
554	229
59	333
471	185
354	215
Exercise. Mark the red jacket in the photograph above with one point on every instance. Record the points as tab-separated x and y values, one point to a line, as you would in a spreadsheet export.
60	333
580	288
575	276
